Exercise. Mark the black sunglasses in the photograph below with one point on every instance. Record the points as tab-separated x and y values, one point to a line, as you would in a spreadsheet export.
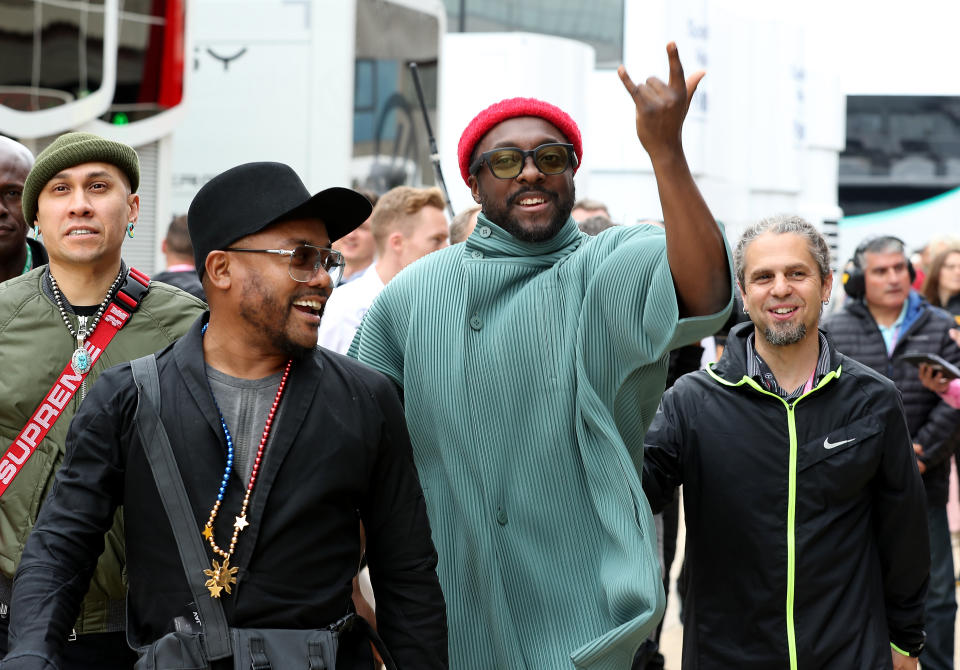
507	162
306	260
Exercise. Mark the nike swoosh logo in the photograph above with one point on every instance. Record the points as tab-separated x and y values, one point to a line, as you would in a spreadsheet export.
827	444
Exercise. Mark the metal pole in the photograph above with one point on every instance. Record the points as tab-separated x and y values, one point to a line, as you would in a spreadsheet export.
434	154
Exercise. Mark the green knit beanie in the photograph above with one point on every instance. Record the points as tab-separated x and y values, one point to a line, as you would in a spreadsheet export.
74	149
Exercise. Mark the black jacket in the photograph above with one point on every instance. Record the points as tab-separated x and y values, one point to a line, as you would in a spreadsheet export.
805	519
39	252
933	424
185	280
953	306
339	445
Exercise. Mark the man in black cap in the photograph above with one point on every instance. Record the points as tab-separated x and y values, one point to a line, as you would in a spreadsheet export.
277	470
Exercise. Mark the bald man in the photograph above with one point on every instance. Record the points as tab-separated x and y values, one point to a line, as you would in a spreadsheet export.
18	253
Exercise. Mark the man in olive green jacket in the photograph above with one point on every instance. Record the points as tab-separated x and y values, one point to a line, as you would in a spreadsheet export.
81	193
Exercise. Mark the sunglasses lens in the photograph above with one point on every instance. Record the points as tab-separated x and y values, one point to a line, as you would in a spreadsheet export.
552	159
335	270
306	260
303	263
506	164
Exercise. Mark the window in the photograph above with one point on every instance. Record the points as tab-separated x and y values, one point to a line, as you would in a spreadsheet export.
900	149
390	145
599	23
53	54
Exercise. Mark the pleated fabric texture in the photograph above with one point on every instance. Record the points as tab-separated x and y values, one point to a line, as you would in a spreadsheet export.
530	373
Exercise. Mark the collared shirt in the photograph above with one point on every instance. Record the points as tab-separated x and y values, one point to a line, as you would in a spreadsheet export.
891	333
758	369
345	309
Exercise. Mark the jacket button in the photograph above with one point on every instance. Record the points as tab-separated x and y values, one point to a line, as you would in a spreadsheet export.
476	254
501	515
485	231
476	323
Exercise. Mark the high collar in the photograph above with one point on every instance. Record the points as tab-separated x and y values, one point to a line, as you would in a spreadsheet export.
915	306
732	365
495	242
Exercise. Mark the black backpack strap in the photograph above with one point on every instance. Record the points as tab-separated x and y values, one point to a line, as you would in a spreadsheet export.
193	555
258	655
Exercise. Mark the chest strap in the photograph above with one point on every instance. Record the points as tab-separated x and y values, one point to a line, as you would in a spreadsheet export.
118	312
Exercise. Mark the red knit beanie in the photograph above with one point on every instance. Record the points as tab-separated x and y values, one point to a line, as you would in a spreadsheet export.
509	109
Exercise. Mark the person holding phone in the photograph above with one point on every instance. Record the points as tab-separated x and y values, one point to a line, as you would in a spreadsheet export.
882	322
947	388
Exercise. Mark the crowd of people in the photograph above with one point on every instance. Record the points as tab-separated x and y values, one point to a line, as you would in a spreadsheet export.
337	432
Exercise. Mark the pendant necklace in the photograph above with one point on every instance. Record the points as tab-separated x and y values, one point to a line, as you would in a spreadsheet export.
222	575
81	361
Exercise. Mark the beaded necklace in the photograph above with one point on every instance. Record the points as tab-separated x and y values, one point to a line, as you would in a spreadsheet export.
81	361
222	575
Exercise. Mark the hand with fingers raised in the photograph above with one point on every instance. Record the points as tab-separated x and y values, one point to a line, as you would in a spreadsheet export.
661	108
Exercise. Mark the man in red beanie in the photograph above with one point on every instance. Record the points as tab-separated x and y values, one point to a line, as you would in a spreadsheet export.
532	358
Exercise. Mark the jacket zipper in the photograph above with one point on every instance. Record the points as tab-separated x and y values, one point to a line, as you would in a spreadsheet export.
791	496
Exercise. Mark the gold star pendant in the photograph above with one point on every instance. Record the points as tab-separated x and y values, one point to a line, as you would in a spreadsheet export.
208	531
213	582
221	577
241	522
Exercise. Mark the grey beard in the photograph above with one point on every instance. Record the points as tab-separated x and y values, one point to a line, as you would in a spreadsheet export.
782	338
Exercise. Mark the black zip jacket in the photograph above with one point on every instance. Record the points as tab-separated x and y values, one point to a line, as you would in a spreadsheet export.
933	424
339	449
806	522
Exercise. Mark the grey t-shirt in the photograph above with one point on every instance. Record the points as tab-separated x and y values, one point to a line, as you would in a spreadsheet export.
245	404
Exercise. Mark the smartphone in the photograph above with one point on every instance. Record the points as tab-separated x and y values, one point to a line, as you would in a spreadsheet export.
947	369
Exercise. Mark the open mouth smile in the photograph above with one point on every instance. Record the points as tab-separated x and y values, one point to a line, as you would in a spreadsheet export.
783	313
310	306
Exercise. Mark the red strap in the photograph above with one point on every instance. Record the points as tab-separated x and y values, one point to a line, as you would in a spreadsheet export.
65	387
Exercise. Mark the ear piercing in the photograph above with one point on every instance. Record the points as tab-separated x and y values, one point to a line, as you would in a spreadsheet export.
130	229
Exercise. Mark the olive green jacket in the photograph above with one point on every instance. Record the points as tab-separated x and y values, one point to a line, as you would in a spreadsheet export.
35	346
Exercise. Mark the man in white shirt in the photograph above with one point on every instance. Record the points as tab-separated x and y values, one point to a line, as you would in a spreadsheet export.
357	248
407	224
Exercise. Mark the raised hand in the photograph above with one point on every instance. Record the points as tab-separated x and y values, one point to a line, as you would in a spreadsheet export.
661	108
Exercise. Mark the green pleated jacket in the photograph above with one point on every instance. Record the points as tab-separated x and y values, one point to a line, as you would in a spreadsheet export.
530	373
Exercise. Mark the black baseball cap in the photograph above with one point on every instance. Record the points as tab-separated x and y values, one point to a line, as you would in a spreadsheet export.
246	199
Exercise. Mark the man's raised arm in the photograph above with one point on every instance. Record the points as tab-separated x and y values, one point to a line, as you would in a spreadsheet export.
695	247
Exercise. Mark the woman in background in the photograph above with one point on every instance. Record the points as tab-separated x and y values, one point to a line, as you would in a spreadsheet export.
942	286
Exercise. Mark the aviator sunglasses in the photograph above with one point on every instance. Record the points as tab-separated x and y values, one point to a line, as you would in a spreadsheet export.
507	162
306	260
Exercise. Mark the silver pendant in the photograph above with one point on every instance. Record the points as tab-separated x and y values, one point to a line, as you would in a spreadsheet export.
80	361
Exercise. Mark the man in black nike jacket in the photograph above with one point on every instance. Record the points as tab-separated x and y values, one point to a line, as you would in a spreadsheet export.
806	521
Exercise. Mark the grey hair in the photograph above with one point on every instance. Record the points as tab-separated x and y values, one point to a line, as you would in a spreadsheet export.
780	224
885	244
589	203
595	225
460	223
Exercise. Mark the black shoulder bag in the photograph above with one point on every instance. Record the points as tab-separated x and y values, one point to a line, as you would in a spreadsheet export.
250	648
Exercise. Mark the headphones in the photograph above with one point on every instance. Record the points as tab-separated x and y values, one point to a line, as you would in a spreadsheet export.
854	281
